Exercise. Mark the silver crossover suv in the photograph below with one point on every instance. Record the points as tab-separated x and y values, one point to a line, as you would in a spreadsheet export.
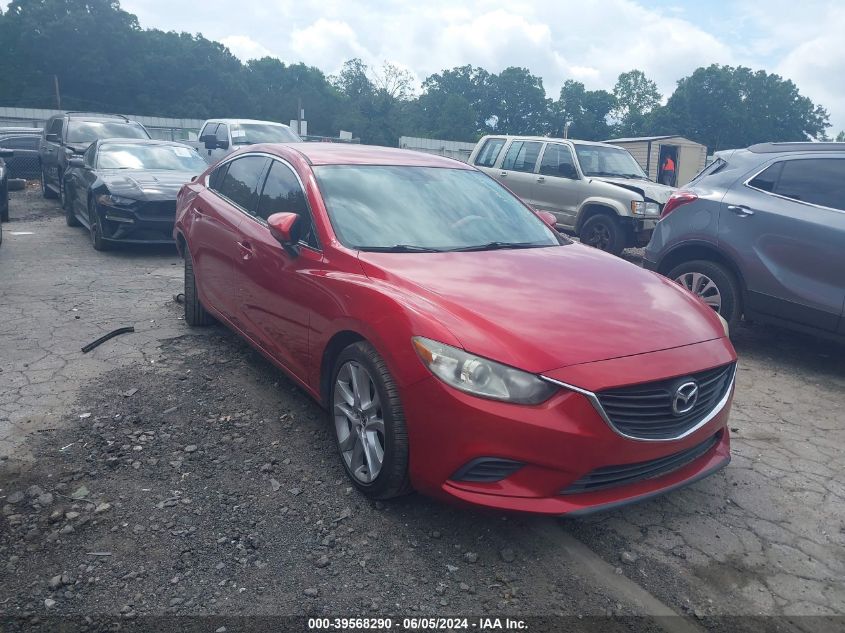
760	233
596	190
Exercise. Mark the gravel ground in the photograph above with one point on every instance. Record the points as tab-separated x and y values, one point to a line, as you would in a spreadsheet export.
175	472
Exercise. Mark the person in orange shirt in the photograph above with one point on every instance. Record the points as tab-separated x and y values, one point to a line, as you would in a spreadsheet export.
667	171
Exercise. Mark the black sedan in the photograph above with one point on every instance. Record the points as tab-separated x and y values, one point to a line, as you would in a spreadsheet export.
124	190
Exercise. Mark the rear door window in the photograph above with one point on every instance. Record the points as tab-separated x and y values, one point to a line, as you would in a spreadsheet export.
767	179
522	156
240	182
489	152
818	181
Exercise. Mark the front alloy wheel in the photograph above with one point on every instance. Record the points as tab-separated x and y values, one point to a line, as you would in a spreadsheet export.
369	423
701	285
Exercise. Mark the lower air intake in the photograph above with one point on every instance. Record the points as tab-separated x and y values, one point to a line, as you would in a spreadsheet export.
487	469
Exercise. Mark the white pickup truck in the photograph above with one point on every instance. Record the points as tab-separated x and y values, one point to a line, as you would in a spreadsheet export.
220	137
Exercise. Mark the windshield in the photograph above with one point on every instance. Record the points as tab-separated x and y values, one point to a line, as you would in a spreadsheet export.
167	157
425	208
602	160
253	133
90	131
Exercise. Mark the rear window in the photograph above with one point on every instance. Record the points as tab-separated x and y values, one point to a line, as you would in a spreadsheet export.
818	181
20	142
90	131
489	152
713	168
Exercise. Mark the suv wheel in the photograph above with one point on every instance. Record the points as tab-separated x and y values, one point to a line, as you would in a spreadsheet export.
604	233
714	284
369	423
45	190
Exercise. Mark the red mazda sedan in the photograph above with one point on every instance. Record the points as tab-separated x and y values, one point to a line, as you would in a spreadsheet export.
461	346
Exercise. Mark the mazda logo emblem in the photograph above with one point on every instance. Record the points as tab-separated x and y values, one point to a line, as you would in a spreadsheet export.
686	395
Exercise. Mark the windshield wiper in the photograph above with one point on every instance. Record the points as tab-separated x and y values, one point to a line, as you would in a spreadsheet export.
400	248
493	246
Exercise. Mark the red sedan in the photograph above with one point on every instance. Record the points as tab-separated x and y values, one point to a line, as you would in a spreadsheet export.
461	346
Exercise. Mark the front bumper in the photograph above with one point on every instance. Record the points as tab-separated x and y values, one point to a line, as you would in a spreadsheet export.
558	442
642	229
142	223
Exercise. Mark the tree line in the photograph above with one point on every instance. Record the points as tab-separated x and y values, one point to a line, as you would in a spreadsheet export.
103	60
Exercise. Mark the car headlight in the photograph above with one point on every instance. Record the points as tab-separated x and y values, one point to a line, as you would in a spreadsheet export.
479	376
638	207
724	324
111	200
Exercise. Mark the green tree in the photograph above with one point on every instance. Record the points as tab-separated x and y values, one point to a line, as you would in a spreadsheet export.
585	110
840	138
725	107
520	105
636	96
475	86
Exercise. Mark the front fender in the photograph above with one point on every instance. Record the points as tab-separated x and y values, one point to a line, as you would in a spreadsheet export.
600	201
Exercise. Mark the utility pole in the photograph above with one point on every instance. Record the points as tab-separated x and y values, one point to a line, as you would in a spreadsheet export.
58	94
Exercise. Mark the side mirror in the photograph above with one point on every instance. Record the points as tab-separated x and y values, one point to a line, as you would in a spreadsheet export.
6	153
285	227
76	162
52	138
548	218
209	140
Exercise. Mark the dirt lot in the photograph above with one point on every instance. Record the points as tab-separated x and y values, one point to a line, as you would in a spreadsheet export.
174	471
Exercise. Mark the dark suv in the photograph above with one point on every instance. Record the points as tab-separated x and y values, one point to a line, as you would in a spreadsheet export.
760	233
69	134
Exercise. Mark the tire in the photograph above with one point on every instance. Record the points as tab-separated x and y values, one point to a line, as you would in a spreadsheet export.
70	216
603	232
45	190
195	313
381	424
95	229
715	284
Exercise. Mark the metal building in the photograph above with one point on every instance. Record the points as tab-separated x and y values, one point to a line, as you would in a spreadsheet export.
651	153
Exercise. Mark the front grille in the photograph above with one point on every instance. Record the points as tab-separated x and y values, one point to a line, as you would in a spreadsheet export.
645	411
487	469
160	210
613	476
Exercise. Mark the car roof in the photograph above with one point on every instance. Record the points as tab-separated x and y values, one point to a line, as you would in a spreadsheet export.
777	148
355	154
234	121
97	116
544	139
141	141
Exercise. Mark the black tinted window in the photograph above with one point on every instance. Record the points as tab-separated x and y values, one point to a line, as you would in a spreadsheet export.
558	161
216	177
240	183
522	156
282	194
20	142
767	179
489	152
816	181
209	130
223	133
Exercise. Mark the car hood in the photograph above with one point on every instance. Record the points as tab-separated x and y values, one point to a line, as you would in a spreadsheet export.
546	308
651	191
145	184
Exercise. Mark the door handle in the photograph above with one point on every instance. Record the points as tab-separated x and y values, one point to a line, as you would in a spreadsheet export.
741	210
246	249
503	174
541	179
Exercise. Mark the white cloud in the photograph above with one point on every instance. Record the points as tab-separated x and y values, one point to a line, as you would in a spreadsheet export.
244	47
592	41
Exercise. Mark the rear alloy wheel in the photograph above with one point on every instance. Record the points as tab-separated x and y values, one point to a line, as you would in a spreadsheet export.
604	233
195	313
45	190
369	423
96	229
714	284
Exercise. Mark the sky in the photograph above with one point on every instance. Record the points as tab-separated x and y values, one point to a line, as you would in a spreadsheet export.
592	41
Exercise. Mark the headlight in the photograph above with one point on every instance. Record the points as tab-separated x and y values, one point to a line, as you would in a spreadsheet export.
724	324
639	207
481	377
109	200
